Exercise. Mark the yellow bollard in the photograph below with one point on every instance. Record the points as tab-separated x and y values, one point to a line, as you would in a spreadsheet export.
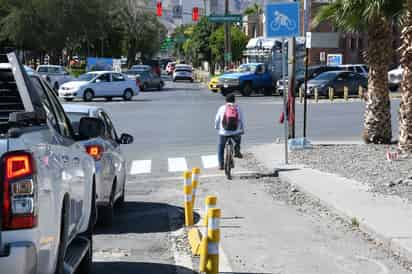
360	92
331	94
210	202
213	239
316	95
187	188
346	93
300	95
195	184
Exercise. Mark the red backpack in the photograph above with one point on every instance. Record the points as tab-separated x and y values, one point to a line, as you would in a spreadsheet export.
231	117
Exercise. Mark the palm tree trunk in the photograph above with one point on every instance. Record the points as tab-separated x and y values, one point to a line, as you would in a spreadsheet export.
405	117
377	123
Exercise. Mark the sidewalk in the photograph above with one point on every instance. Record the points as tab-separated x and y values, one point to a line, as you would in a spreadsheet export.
386	218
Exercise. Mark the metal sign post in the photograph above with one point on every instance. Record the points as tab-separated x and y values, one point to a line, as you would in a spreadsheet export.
282	20
285	96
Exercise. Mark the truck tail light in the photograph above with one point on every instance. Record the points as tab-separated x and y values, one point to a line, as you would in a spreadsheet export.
138	82
95	151
19	191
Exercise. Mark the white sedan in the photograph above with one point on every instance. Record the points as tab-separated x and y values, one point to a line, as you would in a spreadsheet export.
106	84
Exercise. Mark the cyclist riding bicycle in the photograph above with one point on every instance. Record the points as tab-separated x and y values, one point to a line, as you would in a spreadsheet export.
230	123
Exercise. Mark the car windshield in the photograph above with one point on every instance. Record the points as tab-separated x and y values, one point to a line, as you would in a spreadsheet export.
247	68
42	69
132	72
326	76
87	76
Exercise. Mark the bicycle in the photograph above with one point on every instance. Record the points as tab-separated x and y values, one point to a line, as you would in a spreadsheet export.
282	20
229	161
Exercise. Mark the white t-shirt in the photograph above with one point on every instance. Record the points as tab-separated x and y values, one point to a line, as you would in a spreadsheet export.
218	122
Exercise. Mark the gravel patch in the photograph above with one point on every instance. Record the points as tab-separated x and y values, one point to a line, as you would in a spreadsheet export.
363	163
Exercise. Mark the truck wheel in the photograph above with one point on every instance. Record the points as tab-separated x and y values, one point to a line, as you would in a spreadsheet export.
267	92
247	90
106	217
63	241
85	266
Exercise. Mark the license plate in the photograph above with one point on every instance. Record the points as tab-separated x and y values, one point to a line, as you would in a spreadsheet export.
225	85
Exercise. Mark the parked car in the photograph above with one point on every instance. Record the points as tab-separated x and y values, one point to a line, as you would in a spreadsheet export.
47	186
55	75
183	72
170	68
109	161
106	84
313	71
337	80
252	77
358	68
395	78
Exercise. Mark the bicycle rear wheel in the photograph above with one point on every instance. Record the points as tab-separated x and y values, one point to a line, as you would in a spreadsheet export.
229	160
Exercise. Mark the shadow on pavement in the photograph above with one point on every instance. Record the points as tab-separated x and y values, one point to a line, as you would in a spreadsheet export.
138	268
144	217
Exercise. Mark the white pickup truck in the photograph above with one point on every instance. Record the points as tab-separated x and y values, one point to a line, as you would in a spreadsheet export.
47	187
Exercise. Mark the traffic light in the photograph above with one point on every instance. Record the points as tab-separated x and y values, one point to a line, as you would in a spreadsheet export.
195	14
159	10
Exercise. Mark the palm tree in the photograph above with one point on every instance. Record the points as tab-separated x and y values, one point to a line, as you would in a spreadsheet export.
375	18
405	117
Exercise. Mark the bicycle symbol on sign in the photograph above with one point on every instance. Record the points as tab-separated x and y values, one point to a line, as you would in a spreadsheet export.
282	20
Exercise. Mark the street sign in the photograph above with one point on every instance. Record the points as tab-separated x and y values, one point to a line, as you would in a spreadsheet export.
322	40
230	18
177	11
283	20
335	59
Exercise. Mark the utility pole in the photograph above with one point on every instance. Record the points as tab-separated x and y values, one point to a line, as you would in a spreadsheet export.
228	50
291	81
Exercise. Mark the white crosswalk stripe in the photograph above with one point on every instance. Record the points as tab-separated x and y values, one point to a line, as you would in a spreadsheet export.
210	161
177	164
141	167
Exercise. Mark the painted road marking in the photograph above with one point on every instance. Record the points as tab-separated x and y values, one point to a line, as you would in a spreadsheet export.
210	161
177	164
141	167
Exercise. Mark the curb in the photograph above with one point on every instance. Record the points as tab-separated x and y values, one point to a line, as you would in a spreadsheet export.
395	245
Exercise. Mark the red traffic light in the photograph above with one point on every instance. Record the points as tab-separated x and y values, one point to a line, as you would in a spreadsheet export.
159	10
195	14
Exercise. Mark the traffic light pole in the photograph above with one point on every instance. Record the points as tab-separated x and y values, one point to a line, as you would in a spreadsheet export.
228	51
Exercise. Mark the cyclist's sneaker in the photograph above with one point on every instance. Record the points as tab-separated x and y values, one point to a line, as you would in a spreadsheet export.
238	155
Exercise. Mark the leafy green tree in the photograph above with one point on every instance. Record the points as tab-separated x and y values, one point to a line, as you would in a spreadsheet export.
217	44
375	18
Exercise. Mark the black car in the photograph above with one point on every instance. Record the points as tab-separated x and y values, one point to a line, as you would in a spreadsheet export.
337	80
313	71
146	79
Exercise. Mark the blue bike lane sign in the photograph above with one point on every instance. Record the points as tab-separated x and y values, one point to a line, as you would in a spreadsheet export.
283	19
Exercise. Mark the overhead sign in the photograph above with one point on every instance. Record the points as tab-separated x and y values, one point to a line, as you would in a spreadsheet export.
335	59
283	20
230	18
327	40
177	11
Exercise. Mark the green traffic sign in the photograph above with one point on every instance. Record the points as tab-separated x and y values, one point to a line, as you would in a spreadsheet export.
230	18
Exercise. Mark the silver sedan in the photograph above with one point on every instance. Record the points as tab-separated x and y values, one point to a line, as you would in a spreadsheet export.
109	161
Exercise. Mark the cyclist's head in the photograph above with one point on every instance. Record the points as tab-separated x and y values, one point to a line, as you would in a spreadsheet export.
230	98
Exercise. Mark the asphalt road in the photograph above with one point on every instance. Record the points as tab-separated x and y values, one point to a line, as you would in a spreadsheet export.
173	130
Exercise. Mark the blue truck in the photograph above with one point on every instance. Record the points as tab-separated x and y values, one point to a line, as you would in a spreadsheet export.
252	77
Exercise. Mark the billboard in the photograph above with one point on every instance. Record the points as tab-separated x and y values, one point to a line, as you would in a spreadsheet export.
103	64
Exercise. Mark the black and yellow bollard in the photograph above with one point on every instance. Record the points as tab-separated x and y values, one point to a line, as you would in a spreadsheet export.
210	202
316	92
360	92
301	95
187	189
346	93
331	94
195	184
213	239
